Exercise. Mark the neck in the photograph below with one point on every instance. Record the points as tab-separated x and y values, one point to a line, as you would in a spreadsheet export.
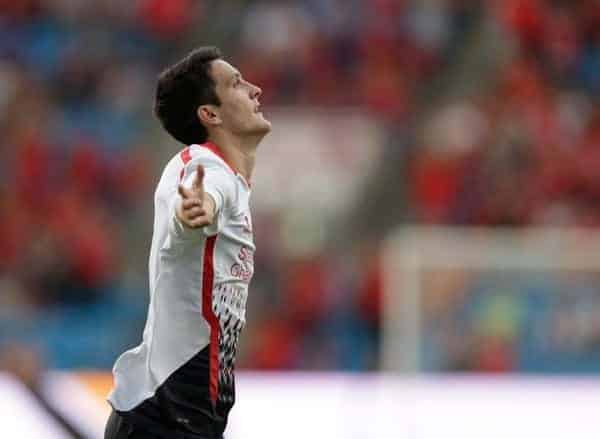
239	152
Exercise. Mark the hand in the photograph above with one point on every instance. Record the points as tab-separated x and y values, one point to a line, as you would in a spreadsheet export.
196	208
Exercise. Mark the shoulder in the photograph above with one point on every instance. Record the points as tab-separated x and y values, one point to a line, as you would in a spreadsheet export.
187	160
219	178
195	155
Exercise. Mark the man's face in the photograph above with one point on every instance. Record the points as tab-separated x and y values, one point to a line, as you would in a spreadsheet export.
239	109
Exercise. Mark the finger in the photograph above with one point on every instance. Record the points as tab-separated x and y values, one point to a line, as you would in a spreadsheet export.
200	221
191	202
184	192
198	184
195	212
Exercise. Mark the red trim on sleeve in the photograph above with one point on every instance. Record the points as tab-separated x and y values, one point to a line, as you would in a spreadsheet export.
185	158
209	315
185	155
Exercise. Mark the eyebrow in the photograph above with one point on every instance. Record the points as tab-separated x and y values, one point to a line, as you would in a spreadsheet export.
235	76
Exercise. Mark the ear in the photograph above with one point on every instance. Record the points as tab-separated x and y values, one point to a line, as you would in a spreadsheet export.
209	115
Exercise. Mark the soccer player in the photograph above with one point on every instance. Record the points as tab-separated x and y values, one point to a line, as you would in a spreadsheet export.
179	382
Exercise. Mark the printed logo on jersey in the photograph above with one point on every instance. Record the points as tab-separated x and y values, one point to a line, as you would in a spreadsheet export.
243	268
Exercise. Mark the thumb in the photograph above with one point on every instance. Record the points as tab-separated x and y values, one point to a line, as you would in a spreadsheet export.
185	192
198	184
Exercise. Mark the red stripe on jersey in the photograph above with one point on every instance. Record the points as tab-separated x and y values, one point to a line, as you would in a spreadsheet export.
185	158
209	315
185	155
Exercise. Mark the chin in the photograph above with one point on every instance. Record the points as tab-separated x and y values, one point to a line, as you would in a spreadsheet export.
267	126
262	127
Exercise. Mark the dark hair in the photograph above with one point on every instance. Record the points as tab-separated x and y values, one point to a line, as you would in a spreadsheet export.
181	89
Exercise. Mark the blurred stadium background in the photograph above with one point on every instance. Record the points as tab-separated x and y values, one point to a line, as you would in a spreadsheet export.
426	212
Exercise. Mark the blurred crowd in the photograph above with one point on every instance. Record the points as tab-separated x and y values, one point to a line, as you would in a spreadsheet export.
81	153
74	165
527	150
372	54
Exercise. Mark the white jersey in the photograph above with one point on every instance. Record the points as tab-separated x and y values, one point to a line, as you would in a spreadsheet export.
183	369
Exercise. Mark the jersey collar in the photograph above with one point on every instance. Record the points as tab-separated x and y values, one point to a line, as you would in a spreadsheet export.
216	150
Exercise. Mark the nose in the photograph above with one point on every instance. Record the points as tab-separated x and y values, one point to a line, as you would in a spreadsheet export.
256	91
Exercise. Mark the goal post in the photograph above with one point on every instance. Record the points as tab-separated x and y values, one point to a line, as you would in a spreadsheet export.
416	259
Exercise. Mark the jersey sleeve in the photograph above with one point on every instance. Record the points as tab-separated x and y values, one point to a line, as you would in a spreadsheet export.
218	184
